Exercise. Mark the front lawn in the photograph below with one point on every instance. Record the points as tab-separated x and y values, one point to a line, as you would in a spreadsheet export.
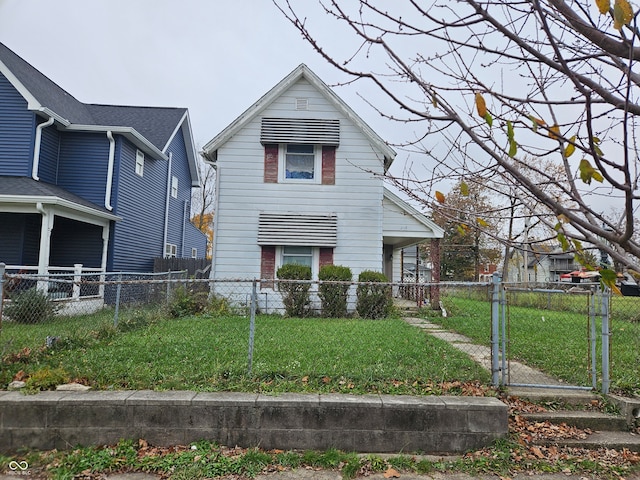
555	340
206	353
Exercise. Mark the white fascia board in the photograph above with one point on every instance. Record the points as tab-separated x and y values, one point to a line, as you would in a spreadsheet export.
32	102
57	201
129	132
438	232
184	126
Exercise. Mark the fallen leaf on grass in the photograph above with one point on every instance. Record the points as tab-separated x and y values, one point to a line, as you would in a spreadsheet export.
391	473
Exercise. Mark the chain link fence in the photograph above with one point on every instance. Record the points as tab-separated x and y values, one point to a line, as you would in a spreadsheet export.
215	332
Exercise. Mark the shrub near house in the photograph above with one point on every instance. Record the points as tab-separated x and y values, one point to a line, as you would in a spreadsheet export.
374	295
295	295
334	295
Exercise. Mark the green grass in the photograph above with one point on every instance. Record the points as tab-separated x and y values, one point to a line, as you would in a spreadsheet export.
209	460
211	354
556	340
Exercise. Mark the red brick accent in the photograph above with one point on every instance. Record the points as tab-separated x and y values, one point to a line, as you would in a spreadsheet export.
267	266
328	165
271	163
326	256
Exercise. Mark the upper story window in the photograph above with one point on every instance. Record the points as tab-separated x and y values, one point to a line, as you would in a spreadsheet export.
300	162
174	187
139	163
300	150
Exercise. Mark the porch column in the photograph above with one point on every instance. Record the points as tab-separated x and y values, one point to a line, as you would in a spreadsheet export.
105	250
435	274
45	245
45	239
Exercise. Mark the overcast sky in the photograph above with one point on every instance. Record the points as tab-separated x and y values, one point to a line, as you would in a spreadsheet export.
215	57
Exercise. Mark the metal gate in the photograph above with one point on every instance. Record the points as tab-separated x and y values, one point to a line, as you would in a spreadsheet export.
550	337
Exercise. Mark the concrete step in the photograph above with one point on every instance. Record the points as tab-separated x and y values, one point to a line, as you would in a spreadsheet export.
596	421
597	440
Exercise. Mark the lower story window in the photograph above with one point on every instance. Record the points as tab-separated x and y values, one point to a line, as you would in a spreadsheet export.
273	257
299	255
170	250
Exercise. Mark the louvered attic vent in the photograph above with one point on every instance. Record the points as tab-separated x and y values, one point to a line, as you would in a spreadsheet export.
300	130
296	229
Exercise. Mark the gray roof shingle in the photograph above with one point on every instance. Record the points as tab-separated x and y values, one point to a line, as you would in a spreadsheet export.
27	187
156	124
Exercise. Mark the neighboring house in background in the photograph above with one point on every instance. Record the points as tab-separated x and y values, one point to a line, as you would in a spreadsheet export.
105	186
410	256
543	264
300	179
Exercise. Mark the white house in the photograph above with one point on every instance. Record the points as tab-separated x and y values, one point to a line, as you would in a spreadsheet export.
300	179
539	264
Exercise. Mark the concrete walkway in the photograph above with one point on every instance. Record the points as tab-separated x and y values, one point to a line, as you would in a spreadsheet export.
518	372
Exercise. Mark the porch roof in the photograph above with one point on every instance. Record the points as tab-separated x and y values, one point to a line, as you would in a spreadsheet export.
26	191
403	225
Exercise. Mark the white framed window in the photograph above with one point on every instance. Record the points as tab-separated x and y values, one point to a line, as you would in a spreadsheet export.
300	162
194	253
309	256
174	186
170	250
139	163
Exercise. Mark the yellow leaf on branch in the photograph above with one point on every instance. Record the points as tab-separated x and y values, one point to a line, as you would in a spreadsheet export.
440	197
570	148
481	105
603	6
622	14
554	131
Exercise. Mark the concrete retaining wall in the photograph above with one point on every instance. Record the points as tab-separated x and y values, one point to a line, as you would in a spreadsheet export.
369	423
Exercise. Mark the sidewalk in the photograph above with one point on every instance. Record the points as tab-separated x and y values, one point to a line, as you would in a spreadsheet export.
306	474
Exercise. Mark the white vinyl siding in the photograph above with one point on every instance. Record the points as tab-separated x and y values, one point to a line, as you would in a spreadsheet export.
355	199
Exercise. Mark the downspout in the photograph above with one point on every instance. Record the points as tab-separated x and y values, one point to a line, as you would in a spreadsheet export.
112	154
36	148
166	205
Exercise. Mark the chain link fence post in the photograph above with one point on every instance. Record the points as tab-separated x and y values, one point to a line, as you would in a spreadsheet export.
168	288
593	341
252	325
118	292
2	268
605	339
495	330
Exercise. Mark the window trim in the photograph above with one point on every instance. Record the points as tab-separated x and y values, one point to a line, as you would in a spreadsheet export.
139	169
317	165
170	250
174	186
315	258
194	252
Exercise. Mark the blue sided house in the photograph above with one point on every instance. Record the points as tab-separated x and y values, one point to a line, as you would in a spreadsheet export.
107	187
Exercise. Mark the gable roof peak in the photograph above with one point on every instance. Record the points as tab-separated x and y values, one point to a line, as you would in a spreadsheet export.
301	71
